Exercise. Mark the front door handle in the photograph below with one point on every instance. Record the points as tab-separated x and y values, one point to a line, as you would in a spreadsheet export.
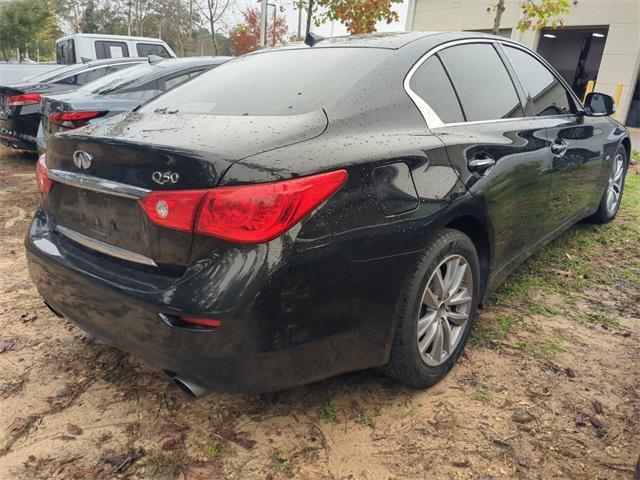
481	164
559	147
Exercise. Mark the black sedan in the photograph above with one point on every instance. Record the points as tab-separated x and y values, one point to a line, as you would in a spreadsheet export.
119	92
20	102
310	210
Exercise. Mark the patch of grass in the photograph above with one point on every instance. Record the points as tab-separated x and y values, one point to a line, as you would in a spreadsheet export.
599	319
218	449
635	155
548	348
405	412
281	462
491	332
481	396
328	412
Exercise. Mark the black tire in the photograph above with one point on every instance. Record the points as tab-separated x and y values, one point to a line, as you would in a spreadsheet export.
405	362
603	215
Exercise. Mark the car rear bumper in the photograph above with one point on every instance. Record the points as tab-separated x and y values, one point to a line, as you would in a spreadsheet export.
16	132
259	347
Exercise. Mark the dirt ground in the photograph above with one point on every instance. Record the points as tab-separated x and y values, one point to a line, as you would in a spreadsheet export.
549	386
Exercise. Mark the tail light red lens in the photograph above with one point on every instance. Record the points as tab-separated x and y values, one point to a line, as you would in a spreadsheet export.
259	213
244	214
175	209
74	119
42	176
203	322
23	100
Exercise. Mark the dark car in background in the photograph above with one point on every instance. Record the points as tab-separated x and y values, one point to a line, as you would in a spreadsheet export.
20	102
304	211
119	92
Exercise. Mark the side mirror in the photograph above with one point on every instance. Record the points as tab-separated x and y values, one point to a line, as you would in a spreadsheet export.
599	105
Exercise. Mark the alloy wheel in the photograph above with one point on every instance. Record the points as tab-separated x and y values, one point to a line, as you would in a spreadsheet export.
444	310
614	189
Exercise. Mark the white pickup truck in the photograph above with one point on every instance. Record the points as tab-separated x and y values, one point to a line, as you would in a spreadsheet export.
82	47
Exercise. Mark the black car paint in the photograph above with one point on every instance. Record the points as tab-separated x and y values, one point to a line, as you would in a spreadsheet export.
318	300
19	125
125	99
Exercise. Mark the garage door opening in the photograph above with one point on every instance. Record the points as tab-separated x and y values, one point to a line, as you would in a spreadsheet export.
575	52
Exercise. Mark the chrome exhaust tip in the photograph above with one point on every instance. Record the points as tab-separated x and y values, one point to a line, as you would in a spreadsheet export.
190	388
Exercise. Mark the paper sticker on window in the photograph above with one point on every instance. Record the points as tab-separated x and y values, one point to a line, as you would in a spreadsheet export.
116	52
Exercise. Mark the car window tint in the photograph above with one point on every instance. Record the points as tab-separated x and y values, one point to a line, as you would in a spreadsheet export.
548	96
280	82
123	78
146	49
431	83
482	82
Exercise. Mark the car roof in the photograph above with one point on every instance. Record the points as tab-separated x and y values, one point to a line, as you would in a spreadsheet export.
390	40
111	61
184	62
114	37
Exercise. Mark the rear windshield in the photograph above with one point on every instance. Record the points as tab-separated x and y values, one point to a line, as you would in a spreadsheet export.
280	82
122	79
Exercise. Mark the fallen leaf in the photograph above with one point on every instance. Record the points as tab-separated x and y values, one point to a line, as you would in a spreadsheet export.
204	471
522	416
562	273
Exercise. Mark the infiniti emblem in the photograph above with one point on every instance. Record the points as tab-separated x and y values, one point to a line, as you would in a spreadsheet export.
82	159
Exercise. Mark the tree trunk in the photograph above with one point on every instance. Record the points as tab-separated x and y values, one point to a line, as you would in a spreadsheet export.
496	22
212	24
309	14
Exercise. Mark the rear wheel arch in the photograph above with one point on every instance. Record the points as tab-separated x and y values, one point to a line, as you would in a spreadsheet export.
626	143
478	232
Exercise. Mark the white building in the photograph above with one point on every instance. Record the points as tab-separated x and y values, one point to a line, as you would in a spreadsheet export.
600	41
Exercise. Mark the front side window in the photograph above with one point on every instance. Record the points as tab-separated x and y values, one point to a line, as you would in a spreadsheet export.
65	52
547	95
431	83
146	49
279	82
482	82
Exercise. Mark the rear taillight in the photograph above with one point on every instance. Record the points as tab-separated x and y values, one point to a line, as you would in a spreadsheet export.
74	119
243	214
42	176
175	209
23	100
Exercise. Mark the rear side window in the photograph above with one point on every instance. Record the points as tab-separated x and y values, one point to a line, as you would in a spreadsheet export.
146	49
482	82
547	95
432	84
105	49
65	52
279	82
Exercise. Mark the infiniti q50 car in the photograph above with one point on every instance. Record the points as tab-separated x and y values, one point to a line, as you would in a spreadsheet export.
310	210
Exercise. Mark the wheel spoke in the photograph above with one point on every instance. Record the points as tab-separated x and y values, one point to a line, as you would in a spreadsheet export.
436	351
457	280
429	299
460	298
439	283
447	338
425	322
428	338
457	318
453	266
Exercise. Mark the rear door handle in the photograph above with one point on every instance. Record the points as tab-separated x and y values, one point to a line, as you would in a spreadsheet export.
481	163
559	147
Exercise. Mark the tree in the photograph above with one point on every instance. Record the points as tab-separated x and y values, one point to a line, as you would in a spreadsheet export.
21	22
358	16
535	14
245	37
213	11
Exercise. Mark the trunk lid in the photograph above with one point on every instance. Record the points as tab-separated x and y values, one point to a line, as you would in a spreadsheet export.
153	152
